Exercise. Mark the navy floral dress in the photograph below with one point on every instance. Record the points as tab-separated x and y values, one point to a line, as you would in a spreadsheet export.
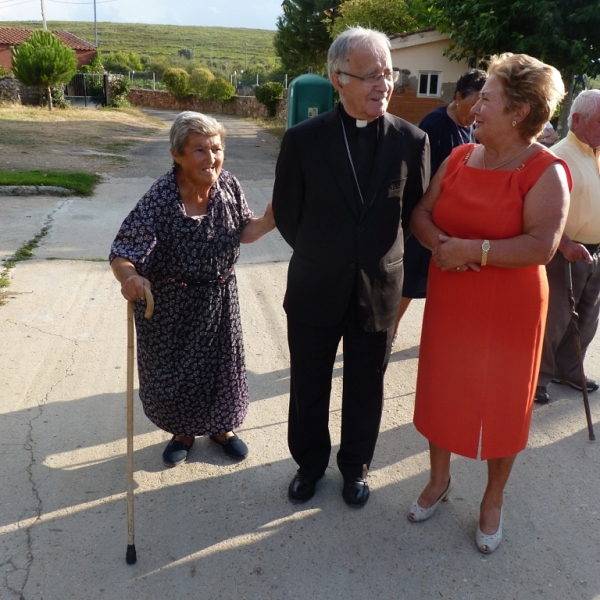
190	353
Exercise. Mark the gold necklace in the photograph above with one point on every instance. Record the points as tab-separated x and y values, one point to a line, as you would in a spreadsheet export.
506	162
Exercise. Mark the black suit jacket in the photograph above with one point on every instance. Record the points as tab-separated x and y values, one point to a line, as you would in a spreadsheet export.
343	252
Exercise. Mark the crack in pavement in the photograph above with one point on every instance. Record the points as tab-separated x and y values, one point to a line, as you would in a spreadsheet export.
30	447
48	333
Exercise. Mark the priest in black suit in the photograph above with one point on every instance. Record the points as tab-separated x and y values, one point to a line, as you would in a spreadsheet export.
346	183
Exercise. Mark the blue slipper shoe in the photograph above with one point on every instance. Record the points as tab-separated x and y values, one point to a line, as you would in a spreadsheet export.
233	446
176	452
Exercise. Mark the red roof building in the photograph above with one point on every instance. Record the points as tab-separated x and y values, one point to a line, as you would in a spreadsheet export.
13	36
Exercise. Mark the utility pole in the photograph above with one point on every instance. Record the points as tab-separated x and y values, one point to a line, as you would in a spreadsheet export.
44	15
95	25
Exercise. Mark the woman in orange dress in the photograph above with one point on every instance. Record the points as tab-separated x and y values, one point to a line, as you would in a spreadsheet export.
492	216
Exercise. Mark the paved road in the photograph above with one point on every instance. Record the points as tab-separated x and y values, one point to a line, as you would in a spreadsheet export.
212	529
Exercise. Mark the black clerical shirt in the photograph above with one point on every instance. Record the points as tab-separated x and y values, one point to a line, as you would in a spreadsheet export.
363	143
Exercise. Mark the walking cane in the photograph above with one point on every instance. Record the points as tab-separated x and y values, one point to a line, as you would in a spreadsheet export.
577	336
131	555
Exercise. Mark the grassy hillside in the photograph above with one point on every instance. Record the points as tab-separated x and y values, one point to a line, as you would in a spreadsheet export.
209	44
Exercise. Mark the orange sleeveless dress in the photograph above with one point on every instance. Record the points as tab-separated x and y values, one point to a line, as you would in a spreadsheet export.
482	332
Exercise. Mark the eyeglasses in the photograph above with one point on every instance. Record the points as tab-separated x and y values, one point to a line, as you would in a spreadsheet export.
371	80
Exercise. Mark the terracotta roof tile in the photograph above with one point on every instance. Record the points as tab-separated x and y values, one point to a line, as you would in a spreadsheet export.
14	35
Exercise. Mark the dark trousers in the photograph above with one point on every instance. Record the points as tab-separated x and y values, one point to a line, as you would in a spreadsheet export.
559	357
312	356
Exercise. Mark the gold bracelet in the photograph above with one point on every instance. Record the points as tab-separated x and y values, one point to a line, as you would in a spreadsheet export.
485	247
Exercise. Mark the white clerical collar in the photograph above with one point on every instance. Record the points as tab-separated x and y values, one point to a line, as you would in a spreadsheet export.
360	124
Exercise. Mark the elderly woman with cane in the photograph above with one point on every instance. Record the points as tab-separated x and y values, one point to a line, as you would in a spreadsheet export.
182	240
493	216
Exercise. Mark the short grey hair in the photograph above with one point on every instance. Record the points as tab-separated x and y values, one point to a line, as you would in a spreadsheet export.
193	122
352	39
585	105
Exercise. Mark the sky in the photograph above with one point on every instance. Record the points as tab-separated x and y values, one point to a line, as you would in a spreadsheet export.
253	14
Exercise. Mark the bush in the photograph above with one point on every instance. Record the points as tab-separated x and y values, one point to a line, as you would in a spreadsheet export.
200	79
119	88
268	93
58	98
95	65
220	90
177	82
4	72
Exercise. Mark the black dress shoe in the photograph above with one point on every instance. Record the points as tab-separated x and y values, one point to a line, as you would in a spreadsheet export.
302	487
355	492
541	395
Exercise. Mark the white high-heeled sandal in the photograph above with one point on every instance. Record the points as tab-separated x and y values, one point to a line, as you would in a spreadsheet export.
488	543
418	513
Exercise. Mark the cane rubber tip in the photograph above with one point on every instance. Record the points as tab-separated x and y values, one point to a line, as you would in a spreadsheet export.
131	556
592	438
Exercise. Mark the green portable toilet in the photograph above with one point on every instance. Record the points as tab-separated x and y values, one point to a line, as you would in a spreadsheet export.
308	95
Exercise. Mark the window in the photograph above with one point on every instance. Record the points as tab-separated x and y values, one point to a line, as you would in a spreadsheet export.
429	84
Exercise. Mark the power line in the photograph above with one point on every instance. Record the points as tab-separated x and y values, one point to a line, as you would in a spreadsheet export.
97	2
17	4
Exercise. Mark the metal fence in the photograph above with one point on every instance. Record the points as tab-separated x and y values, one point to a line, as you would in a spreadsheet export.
87	89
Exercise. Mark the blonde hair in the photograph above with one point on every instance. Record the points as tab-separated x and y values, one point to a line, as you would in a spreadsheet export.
527	80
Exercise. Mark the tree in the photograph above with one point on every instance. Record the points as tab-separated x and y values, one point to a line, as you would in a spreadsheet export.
200	77
563	34
268	93
122	62
95	65
177	81
220	90
388	16
43	61
302	37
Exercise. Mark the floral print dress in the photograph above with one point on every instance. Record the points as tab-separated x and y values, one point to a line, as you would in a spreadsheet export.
191	362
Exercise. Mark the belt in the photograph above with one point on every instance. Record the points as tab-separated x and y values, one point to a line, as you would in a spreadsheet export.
222	279
591	248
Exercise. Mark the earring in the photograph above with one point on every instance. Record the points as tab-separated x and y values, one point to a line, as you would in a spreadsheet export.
514	123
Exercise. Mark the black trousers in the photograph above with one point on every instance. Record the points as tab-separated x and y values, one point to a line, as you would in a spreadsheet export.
312	356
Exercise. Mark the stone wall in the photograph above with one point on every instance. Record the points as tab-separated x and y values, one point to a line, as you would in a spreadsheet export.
241	106
10	90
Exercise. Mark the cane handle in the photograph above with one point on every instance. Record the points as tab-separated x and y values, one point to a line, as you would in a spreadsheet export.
149	303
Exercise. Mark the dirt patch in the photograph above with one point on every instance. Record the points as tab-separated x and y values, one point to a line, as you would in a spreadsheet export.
74	139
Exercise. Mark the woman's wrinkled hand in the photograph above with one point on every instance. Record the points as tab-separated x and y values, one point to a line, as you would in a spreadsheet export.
256	228
133	287
451	254
269	217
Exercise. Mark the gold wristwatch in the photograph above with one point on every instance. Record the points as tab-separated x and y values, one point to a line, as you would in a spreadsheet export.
485	247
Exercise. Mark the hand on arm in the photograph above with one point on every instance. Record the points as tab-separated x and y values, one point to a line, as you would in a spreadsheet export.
257	227
456	254
132	284
573	251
